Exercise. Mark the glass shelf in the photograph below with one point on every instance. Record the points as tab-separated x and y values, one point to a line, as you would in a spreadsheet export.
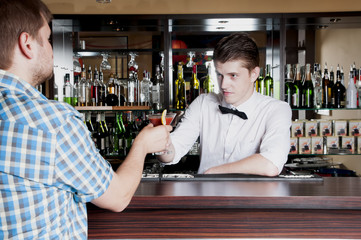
114	108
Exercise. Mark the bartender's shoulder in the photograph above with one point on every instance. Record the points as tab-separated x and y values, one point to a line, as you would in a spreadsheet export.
270	102
210	97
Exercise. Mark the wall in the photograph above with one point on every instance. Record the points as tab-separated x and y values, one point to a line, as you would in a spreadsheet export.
199	6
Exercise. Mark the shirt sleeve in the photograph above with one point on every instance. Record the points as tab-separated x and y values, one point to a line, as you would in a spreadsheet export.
79	166
275	144
187	130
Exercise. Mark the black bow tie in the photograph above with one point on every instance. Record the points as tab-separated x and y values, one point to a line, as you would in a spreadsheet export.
240	114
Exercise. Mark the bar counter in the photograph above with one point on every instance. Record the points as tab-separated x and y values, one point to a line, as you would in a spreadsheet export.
329	208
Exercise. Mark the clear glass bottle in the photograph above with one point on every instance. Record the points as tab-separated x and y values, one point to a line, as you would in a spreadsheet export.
156	89
351	92
180	89
82	88
101	90
88	92
95	88
145	86
317	82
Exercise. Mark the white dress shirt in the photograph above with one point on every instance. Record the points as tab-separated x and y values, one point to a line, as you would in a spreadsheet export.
226	138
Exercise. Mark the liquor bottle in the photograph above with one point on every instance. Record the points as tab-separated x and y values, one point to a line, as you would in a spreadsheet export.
290	90
76	89
307	90
111	98
101	90
88	122
68	89
107	147
260	82
56	96
326	89
194	84
145	86
268	81
358	87
180	89
83	86
98	135
298	87
95	88
88	93
338	92
208	84
351	93
317	80
133	83
156	89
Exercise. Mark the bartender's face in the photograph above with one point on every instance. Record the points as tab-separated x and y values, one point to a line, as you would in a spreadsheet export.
235	81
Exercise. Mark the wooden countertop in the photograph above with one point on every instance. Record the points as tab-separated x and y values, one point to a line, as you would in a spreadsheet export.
328	209
330	193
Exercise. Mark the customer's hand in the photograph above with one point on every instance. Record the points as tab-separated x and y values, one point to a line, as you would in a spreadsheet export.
154	139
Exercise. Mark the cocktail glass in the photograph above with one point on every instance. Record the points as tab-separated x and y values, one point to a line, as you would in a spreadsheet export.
155	119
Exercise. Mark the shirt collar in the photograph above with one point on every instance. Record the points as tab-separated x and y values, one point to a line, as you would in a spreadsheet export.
13	82
247	107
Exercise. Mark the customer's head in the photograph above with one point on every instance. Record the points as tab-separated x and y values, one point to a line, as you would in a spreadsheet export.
16	17
237	46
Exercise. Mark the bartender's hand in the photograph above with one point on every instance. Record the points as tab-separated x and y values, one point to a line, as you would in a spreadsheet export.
154	139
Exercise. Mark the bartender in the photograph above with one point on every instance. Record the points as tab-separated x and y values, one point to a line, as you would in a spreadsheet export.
240	130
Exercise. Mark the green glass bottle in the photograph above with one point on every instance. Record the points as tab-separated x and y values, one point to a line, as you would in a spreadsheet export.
180	85
308	91
298	87
208	84
259	87
268	82
290	90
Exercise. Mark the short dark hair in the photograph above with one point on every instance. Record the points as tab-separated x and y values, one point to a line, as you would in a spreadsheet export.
237	46
16	17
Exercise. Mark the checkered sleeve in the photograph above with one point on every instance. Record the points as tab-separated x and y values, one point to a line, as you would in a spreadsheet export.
80	167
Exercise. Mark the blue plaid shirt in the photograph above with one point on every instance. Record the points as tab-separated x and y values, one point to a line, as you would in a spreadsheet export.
49	165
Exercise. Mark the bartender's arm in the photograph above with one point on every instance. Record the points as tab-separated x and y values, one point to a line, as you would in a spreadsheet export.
254	164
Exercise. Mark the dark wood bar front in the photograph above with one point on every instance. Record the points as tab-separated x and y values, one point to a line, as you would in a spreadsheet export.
329	209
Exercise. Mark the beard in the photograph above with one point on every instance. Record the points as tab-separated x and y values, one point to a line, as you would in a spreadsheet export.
42	72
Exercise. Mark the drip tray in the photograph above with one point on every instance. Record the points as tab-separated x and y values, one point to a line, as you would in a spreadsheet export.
229	177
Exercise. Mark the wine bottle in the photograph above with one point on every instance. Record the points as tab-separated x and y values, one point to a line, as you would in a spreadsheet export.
156	89
351	93
268	81
260	82
180	96
145	86
298	86
88	94
101	90
99	136
326	89
208	84
67	89
338	92
290	90
194	85
307	90
76	89
317	80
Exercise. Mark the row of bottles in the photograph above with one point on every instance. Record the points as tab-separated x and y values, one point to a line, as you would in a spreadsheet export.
91	90
116	137
264	83
305	88
184	97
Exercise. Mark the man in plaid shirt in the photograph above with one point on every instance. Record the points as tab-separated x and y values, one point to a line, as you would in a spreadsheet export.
49	166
